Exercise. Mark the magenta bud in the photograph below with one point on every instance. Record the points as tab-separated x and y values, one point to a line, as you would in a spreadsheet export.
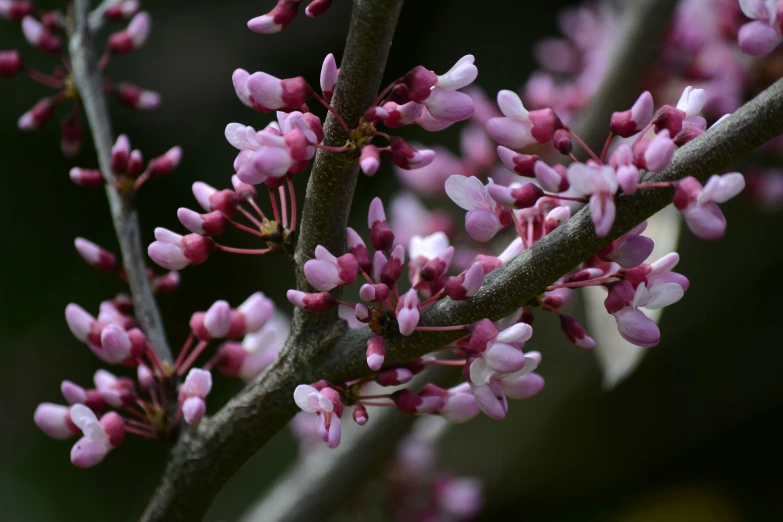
135	97
54	420
465	286
193	410
670	119
133	37
374	293
120	153
115	343
360	415
362	313
314	302
38	116
408	402
376	352
556	217
359	250
419	82
165	164
135	163
393	268
167	283
87	178
627	123
394	377
95	256
10	63
370	159
562	142
381	235
575	332
211	224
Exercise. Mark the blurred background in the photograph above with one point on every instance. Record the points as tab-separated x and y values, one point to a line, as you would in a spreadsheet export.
692	435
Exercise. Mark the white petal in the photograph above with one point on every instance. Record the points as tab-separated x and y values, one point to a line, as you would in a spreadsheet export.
511	106
480	373
468	193
517	333
301	393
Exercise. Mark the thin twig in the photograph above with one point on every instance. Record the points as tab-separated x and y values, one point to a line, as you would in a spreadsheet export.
89	83
204	459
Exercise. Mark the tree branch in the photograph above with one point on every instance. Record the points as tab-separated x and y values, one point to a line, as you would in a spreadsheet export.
205	458
643	27
89	83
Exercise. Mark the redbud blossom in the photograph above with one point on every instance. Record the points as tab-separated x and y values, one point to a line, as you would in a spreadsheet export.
465	286
628	123
265	93
381	236
135	97
376	352
88	178
357	247
122	11
211	224
601	184
165	164
699	205
575	332
132	37
327	272
10	64
328	407
95	256
522	164
38	116
328	78
99	438
175	252
408	312
318	302
215	323
406	157
370	159
520	128
484	218
39	36
15	9
192	395
211	199
55	421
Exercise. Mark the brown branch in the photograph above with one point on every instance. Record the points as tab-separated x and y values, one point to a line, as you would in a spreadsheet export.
89	83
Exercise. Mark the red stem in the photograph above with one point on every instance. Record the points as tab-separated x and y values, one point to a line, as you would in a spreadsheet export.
192	357
331	109
250	217
247	229
583	145
283	205
292	195
38	76
606	146
275	211
247	251
184	351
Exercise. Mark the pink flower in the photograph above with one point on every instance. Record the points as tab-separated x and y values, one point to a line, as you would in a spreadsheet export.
95	255
430	257
489	388
192	395
114	391
628	123
624	303
699	205
211	224
133	36
55	421
600	183
466	285
629	250
405	156
175	252
408	312
39	36
462	74
248	358
328	407
318	302
761	36
211	199
328	80
265	93
519	128
381	235
327	272
484	218
376	352
215	323
100	437
370	159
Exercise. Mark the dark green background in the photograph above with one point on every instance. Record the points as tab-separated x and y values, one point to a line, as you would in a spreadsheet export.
693	435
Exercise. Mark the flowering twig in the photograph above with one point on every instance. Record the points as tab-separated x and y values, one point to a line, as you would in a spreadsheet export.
643	27
89	83
207	457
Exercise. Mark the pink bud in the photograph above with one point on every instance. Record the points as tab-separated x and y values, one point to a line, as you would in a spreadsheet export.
374	293
71	136
758	38
466	285
257	309
38	116
317	8
193	410
136	98
166	284
522	164
393	268
381	236
73	393
370	159
165	165
133	36
562	142
120	154
277	19
575	332
394	377
96	256
87	178
660	152
408	312
520	197
55	421
135	163
226	201
79	321
376	352
243	191
406	157
329	73
10	63
317	302
39	36
360	416
122	11
549	178
420	82
556	217
15	10
408	402
211	224
669	118
359	250
115	343
362	313
628	123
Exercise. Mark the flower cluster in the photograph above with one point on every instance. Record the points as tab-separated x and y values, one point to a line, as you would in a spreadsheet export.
45	30
495	366
284	13
152	404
